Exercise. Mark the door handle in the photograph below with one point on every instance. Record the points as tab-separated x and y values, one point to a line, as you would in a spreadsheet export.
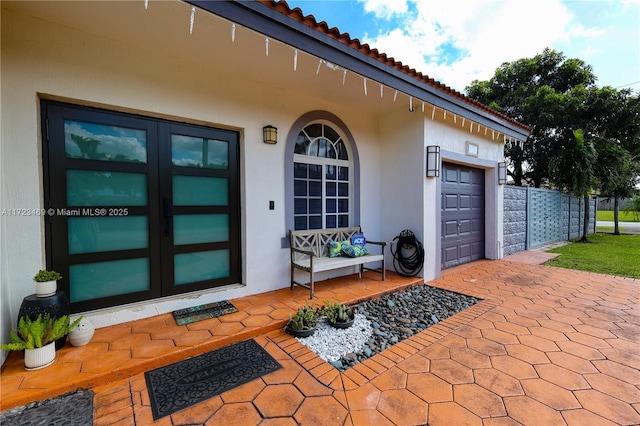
167	214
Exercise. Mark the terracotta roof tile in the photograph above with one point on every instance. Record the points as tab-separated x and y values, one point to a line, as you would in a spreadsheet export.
333	32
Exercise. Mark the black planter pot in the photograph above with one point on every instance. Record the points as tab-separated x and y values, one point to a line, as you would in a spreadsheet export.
341	324
299	333
56	305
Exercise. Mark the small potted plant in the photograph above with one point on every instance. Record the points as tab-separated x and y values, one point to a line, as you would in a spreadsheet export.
303	323
37	339
338	315
46	283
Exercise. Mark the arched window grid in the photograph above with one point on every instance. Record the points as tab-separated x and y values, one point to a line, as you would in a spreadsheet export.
323	178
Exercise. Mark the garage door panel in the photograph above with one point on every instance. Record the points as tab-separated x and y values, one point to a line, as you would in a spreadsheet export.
450	228
450	254
451	201
465	227
478	178
462	214
451	175
477	251
464	250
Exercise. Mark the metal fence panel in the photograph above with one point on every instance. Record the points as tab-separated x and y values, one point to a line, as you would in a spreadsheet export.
544	212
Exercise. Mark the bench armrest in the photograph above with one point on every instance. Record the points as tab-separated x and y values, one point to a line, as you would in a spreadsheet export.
380	243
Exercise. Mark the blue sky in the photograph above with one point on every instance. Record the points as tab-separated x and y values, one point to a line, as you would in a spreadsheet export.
457	41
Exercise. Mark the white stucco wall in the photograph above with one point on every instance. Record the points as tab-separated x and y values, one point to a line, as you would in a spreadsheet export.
50	61
46	60
403	176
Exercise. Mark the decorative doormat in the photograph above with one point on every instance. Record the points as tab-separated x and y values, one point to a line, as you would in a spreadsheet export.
193	380
203	312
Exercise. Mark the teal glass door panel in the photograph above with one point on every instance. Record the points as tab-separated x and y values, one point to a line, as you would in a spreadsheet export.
100	234
200	228
90	141
103	279
189	151
146	207
201	209
200	191
201	266
106	188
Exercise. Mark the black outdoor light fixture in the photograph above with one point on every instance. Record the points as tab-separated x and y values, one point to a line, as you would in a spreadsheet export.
502	173
433	161
270	134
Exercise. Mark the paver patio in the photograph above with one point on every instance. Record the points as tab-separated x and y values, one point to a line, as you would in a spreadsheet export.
545	346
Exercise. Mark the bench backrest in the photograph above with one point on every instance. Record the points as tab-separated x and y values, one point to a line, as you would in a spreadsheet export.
316	239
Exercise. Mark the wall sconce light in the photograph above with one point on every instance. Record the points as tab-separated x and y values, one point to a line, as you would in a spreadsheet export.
502	173
270	134
433	161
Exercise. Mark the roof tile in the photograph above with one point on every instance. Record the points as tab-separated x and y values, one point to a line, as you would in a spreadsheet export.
333	32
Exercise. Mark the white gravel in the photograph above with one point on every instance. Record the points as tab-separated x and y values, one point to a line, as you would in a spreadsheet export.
332	343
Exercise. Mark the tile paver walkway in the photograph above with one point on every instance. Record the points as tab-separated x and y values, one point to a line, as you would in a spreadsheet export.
545	346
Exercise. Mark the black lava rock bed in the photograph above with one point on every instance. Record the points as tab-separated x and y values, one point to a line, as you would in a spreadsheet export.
72	409
400	315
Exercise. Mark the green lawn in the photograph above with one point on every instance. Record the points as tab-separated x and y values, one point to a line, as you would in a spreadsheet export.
604	253
607	215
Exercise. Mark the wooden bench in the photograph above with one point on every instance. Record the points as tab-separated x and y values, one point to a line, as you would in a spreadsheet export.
309	253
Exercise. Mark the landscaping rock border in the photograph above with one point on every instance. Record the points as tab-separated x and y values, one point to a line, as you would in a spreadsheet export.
383	322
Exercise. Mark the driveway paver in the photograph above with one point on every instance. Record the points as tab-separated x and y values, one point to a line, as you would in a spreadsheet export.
544	346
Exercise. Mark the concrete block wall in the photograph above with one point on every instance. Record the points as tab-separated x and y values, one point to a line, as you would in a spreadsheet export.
516	212
515	219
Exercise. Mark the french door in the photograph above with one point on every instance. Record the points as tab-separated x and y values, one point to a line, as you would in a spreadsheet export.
137	207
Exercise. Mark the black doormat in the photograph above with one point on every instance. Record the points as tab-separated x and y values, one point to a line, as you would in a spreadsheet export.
188	382
203	312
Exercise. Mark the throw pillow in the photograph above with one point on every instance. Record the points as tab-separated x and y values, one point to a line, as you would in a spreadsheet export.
335	248
354	251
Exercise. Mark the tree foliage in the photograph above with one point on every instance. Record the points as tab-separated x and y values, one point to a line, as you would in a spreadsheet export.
534	91
572	168
585	138
633	206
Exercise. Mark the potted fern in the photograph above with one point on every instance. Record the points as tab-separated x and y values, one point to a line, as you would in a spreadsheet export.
46	283
37	339
303	323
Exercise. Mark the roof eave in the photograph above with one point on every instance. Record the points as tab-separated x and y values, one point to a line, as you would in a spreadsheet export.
274	24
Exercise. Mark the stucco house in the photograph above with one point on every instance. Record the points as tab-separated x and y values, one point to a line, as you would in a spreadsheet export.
139	154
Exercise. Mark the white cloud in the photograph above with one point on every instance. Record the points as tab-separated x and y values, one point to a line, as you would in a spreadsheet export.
385	9
482	33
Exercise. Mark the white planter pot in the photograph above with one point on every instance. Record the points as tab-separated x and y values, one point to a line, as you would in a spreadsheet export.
46	289
82	333
37	358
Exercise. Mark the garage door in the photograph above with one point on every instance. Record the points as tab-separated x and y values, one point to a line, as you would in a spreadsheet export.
462	214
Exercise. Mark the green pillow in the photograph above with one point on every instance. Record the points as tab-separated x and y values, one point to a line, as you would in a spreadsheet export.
353	251
335	248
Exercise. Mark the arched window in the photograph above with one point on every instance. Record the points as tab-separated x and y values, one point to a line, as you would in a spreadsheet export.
322	178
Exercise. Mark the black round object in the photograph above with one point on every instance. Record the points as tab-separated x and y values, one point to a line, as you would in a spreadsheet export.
57	306
300	333
408	254
339	324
